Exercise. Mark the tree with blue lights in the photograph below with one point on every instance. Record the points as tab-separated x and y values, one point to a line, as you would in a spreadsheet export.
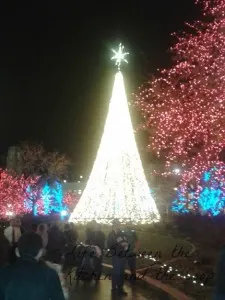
57	197
45	198
206	198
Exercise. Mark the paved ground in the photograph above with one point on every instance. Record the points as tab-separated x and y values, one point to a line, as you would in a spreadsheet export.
102	291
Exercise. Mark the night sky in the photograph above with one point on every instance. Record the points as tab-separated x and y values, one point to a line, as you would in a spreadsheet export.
55	70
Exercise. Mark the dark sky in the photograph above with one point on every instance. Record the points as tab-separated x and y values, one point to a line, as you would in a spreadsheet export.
55	70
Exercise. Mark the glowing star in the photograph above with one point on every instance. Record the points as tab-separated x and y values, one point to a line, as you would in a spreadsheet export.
119	56
117	187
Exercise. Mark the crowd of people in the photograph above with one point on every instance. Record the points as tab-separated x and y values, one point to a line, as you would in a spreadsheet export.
33	263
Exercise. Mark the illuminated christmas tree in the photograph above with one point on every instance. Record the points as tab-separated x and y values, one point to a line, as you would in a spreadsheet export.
117	187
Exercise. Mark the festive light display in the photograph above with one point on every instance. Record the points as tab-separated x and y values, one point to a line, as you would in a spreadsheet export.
57	199
206	198
184	108
13	190
174	272
46	195
20	195
33	201
117	187
70	200
47	198
119	56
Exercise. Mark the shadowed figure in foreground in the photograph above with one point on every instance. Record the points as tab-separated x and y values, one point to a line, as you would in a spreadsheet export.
220	277
4	250
118	245
28	278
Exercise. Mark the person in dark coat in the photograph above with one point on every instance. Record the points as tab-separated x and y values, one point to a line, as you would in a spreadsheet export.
70	247
133	246
28	278
89	236
118	245
34	227
70	236
220	277
98	236
98	239
4	250
74	231
56	244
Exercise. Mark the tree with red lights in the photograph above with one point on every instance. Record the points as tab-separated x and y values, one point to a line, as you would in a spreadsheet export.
13	192
184	107
70	199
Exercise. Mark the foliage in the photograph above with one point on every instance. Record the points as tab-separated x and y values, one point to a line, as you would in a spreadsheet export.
200	229
38	162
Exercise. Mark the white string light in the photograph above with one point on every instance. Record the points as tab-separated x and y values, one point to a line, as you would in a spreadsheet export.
117	187
170	269
175	271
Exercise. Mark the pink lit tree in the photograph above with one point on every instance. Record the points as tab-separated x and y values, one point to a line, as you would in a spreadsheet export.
184	107
13	192
70	200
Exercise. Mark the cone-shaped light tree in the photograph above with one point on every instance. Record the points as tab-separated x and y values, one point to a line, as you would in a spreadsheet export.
117	187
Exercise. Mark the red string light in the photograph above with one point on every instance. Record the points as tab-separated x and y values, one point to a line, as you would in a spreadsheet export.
184	109
70	199
13	192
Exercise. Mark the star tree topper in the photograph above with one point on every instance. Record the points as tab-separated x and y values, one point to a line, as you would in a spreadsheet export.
119	56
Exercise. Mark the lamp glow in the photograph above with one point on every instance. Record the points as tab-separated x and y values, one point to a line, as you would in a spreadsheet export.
63	213
176	171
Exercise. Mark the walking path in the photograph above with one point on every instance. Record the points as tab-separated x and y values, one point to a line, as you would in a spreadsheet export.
192	251
102	291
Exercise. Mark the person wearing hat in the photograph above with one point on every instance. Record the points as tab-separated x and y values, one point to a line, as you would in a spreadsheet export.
28	278
133	245
117	243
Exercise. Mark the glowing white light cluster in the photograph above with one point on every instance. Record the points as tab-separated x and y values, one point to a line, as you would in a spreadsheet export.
170	269
9	213
119	56
63	213
176	171
117	187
